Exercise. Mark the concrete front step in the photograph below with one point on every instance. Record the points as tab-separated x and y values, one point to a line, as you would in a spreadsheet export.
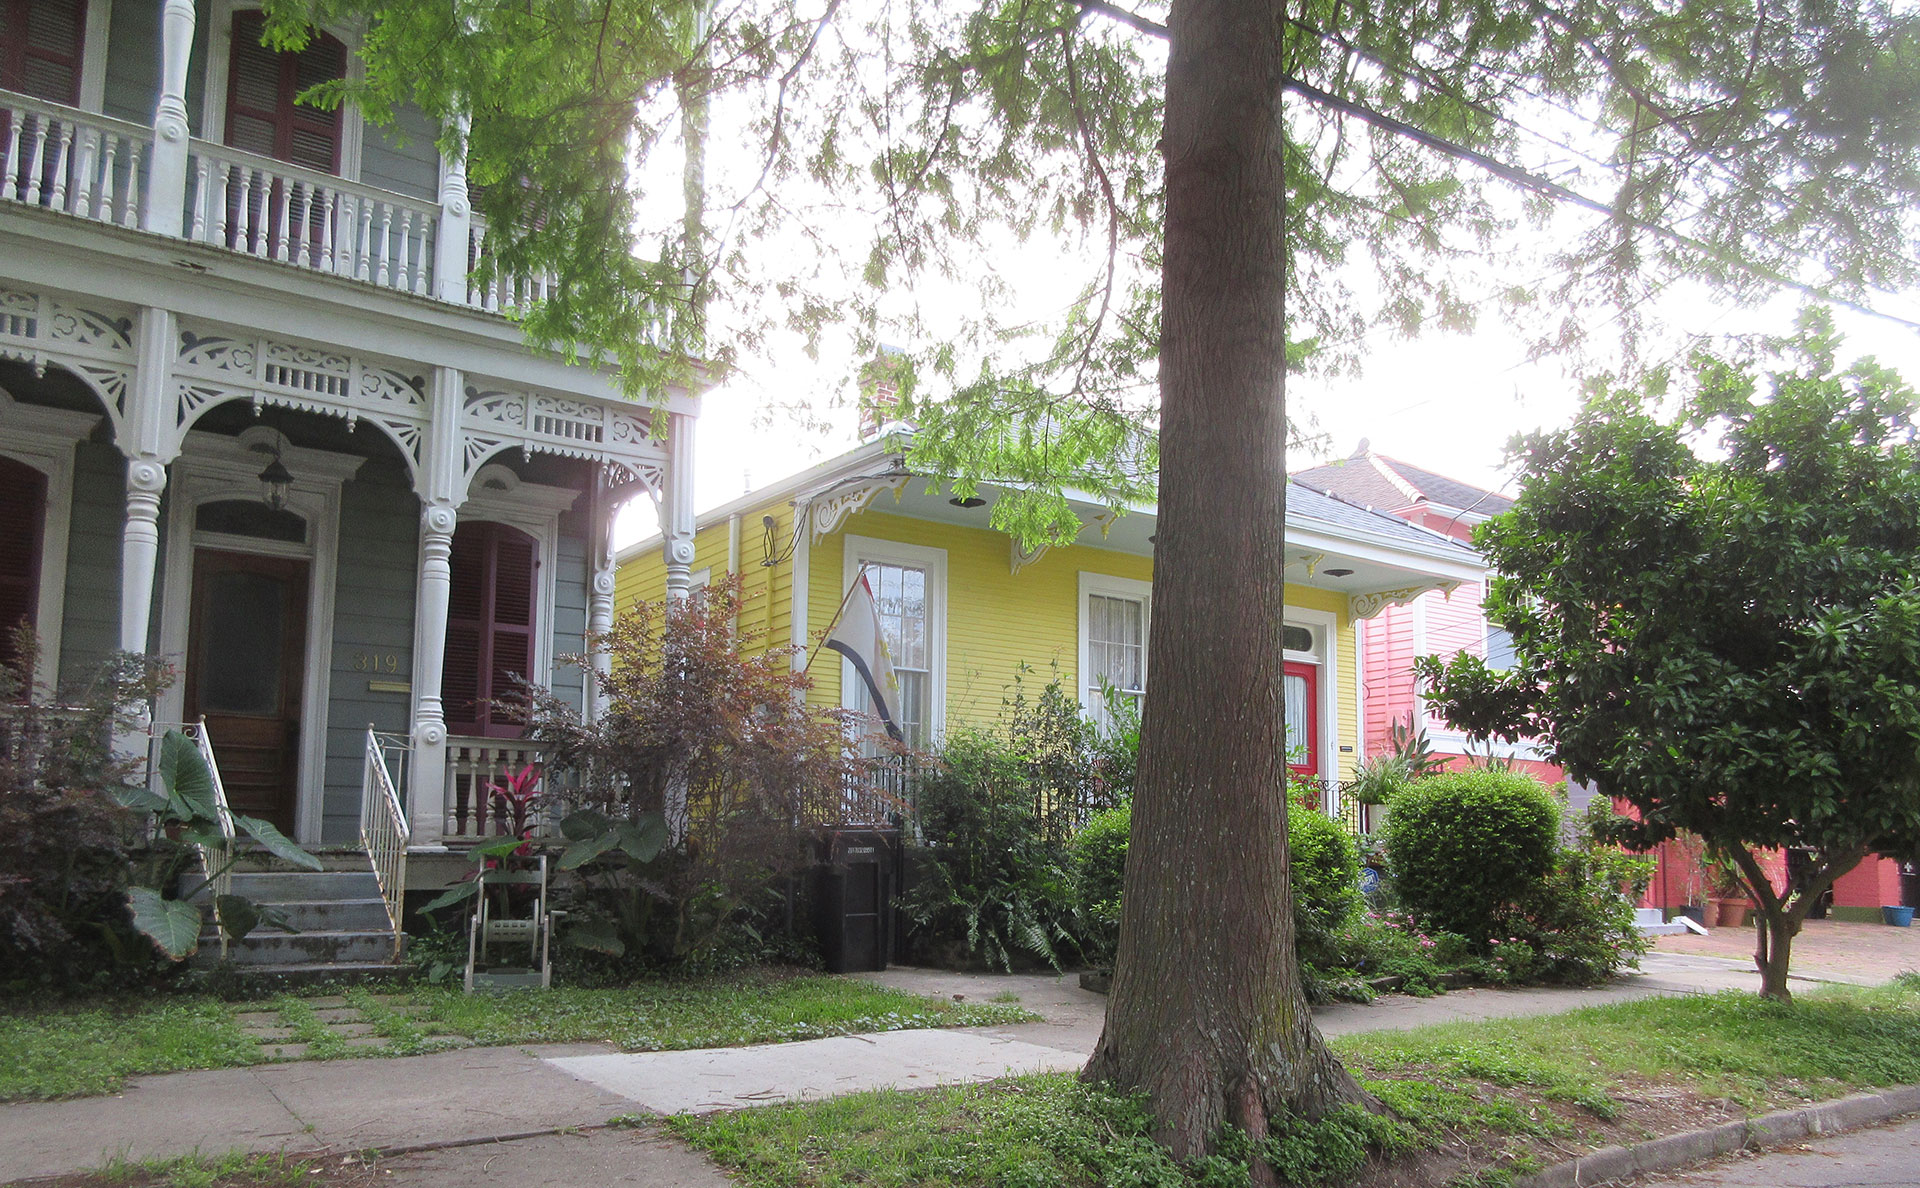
305	886
294	948
331	915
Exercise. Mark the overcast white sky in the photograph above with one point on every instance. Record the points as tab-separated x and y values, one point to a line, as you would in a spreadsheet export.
1445	402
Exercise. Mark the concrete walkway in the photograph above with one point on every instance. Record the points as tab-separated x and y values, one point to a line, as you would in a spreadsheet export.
484	1094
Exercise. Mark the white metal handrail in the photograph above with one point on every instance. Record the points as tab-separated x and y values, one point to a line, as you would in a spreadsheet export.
75	162
278	211
383	829
216	859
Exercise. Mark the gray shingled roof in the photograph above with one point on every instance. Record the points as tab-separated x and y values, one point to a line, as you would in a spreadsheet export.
1355	480
1438	488
1306	502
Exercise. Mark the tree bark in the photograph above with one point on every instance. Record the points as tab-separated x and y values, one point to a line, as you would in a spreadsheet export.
1781	915
1207	1016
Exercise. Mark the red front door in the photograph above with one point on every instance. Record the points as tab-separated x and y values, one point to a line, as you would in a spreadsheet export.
1302	686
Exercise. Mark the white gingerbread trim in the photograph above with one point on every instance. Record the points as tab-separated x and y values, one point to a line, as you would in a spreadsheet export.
828	510
1370	603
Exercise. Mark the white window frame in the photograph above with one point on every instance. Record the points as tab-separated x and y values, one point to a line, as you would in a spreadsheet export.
1107	586
213	99
867	550
45	439
1325	656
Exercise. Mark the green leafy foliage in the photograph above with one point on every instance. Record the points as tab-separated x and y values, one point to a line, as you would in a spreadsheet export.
1099	874
65	843
1322	864
1760	695
1464	848
1325	873
190	806
994	876
694	789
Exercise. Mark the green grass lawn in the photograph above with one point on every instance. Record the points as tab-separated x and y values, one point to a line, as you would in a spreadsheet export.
1483	1101
75	1050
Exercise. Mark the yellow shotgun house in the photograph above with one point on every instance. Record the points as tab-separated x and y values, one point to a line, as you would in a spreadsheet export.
964	606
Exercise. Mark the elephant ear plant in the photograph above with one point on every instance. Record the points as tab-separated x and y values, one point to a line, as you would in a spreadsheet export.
187	810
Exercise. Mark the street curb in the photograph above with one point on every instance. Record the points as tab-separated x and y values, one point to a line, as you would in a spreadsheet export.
1676	1151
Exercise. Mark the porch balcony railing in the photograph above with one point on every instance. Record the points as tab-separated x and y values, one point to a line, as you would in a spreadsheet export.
85	165
101	169
216	854
479	770
275	211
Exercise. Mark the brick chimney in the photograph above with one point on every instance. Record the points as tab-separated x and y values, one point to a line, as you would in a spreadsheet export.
880	381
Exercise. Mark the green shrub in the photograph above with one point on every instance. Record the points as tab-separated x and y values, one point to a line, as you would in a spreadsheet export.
1326	881
1467	848
986	879
65	844
1099	869
1324	868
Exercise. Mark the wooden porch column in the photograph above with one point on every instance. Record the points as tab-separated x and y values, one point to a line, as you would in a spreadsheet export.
676	512
166	204
456	224
600	599
442	493
147	448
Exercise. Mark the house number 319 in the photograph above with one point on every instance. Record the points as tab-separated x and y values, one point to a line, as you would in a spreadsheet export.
385	662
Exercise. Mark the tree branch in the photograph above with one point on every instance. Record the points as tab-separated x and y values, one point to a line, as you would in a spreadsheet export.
1132	20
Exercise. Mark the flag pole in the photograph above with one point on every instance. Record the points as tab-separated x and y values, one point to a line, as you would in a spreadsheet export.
814	652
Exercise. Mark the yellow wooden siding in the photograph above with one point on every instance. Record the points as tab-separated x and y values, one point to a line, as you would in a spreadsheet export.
996	619
766	591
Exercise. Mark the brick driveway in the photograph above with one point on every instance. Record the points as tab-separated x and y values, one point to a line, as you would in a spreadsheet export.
1824	946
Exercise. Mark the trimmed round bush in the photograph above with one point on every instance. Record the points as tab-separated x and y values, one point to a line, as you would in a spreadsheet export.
1100	863
1326	878
1324	864
1467	848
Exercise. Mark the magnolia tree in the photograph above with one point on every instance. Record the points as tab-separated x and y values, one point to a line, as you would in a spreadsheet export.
1715	614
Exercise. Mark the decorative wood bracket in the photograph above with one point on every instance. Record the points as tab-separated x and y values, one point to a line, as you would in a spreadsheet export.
828	512
1371	603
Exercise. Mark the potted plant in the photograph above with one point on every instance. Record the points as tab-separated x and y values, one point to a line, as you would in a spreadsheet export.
1729	900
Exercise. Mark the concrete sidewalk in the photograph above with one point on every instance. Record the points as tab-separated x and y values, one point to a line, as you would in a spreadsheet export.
492	1093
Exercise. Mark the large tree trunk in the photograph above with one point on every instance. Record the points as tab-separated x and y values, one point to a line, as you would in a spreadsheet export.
1207	1015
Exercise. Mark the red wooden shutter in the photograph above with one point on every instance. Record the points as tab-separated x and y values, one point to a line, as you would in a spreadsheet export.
262	85
23	513
40	47
490	626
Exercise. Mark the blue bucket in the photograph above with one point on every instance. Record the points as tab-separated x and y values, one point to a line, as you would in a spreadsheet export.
1897	917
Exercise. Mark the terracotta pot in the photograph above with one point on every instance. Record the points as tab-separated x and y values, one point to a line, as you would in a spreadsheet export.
1730	913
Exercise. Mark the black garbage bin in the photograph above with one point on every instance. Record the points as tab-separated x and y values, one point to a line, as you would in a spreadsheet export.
852	888
1910	884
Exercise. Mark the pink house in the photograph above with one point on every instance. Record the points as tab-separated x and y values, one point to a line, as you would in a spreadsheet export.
1433	623
1446	623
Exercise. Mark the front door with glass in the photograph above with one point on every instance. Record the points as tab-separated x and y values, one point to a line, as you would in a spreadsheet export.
246	660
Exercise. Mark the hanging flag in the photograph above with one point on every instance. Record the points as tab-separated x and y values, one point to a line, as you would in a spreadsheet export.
857	635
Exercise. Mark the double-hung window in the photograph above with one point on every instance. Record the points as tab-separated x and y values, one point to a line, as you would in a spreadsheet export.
1114	614
909	592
